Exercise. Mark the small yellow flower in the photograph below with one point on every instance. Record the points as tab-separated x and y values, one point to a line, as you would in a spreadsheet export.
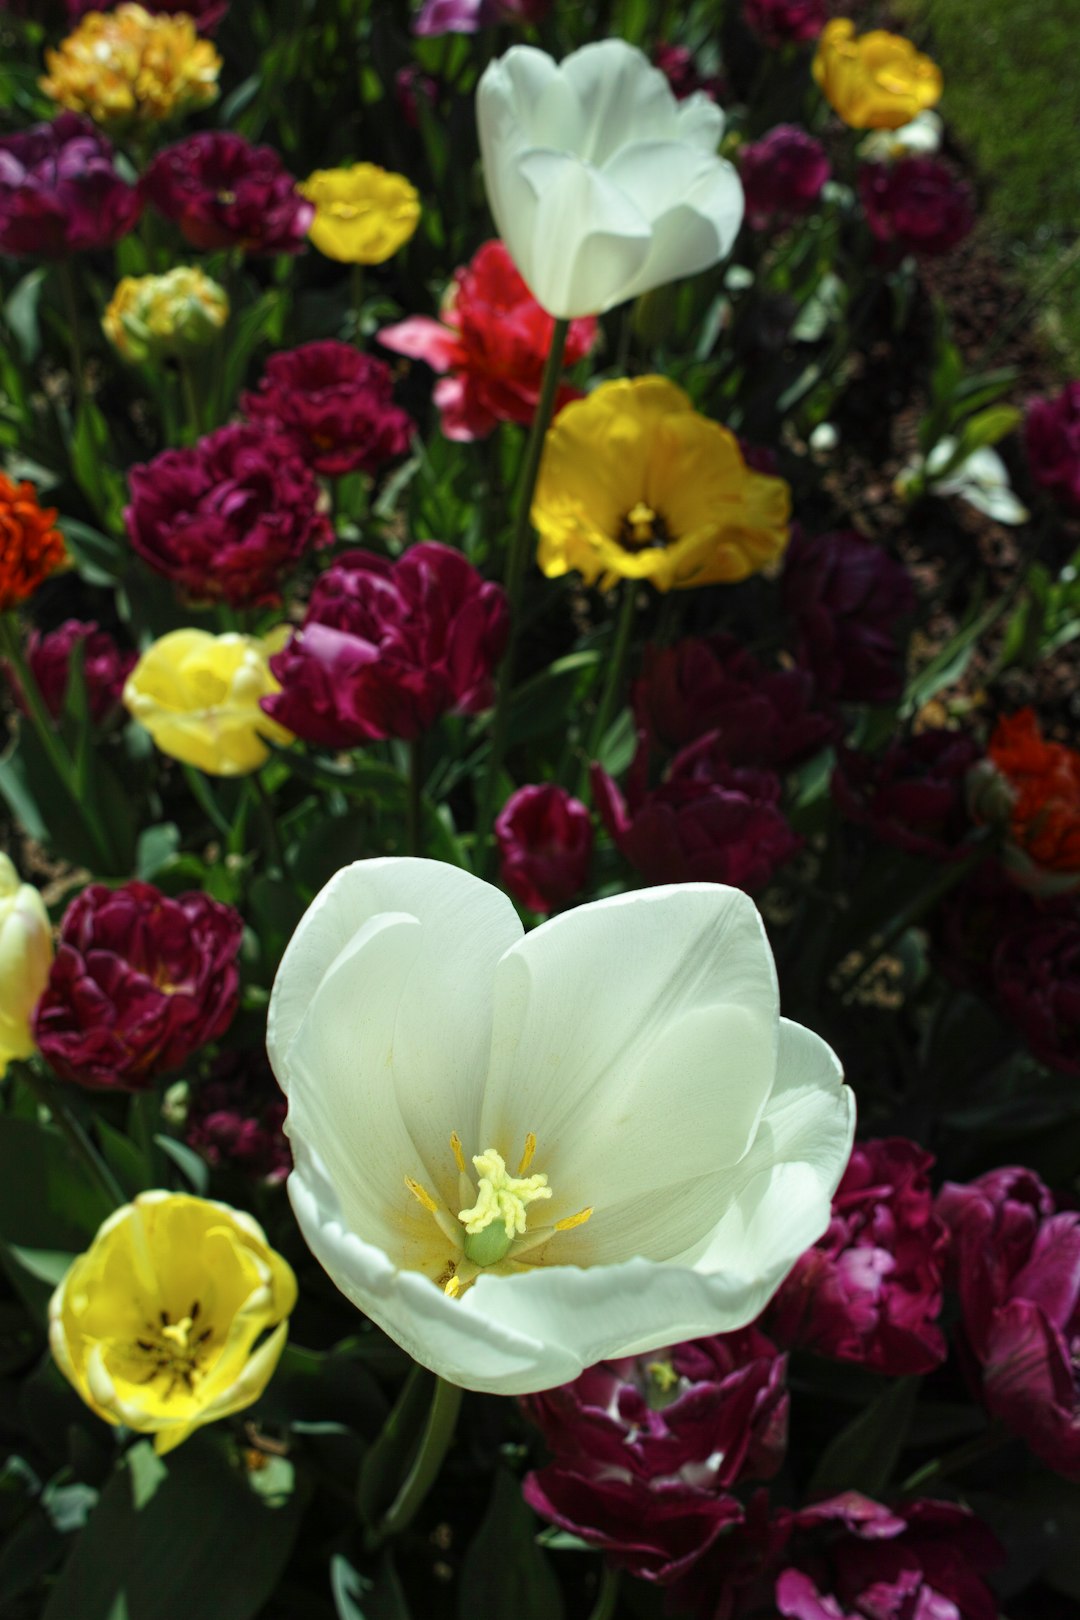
125	68
160	1325
363	215
153	317
198	696
634	484
26	953
877	81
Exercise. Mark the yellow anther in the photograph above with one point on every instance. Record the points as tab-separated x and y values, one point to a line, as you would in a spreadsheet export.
527	1156
574	1220
663	1376
422	1195
641	519
452	1287
455	1148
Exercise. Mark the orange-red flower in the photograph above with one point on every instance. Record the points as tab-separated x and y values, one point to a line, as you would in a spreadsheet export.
1044	820
31	546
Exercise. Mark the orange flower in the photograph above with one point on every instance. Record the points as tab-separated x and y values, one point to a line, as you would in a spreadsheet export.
1044	819
31	547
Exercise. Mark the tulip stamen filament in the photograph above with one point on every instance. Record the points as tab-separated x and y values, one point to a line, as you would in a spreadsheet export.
528	1153
445	1222
456	1149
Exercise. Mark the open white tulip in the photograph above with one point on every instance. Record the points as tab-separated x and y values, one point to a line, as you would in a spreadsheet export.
523	1154
601	183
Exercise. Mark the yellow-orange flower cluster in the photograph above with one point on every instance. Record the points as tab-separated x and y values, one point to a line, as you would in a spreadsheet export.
635	484
1044	779
31	546
876	80
125	68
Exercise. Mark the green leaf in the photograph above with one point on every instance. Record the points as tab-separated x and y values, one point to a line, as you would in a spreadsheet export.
863	1455
91	447
542	703
47	1265
100	558
21	314
203	1543
195	1170
357	1598
504	1572
48	1199
30	1551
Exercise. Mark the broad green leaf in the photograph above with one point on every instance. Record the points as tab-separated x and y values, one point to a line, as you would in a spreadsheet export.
504	1572
863	1455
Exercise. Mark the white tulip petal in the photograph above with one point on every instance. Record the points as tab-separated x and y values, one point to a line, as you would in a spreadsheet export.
607	1065
622	99
578	269
700	121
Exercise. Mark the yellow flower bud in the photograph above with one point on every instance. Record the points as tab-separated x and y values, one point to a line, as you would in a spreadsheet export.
198	696
25	955
363	214
150	317
877	81
160	1325
125	68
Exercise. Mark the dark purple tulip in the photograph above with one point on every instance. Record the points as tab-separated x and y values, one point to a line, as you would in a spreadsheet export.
60	191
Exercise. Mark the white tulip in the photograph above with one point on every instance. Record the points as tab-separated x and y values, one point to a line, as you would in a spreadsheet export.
523	1154
601	183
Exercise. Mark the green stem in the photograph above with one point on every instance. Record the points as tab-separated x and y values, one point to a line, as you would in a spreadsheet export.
270	832
51	740
191	399
71	309
608	1595
203	795
356	282
992	1439
624	628
73	1133
423	1471
984	844
513	579
415	797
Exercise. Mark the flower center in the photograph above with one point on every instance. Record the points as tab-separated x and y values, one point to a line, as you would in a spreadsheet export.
173	1351
494	1227
643	528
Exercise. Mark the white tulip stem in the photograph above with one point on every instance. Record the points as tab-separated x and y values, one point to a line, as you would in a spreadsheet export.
424	1469
608	1595
513	578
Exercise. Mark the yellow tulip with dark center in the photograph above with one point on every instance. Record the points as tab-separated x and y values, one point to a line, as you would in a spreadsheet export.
174	1317
636	484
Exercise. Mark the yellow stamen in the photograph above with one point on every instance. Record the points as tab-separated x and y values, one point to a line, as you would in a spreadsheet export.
178	1332
422	1195
455	1148
527	1156
571	1221
452	1287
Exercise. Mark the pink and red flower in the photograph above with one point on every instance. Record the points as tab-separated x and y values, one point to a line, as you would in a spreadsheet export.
387	647
869	1291
229	518
236	1116
105	667
60	191
545	838
782	176
491	343
336	402
138	984
913	795
783	22
223	192
917	205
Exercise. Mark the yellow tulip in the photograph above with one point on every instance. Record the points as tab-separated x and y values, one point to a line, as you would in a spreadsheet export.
635	484
125	68
149	317
26	953
198	696
160	1325
876	81
363	215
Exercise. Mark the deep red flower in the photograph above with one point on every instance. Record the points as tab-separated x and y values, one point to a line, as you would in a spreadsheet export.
680	70
139	983
205	14
916	205
387	647
779	22
846	599
707	821
1016	1266
714	684
336	402
492	341
782	176
235	1118
1036	981
869	1291
60	191
229	518
1043	783
646	1448
1052	436
105	666
545	840
912	795
225	193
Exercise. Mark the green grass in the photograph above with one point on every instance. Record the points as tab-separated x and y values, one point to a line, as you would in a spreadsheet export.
1012	98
